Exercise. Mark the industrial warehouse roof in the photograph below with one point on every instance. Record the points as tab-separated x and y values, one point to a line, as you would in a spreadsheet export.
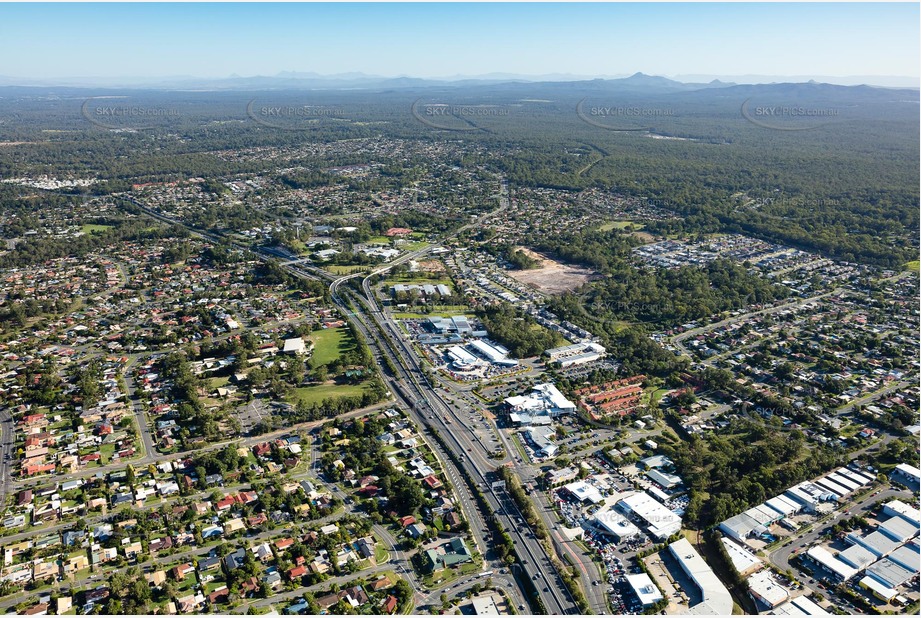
662	522
742	559
838	567
616	524
765	589
889	573
909	556
800	606
897	507
898	529
716	599
858	557
644	588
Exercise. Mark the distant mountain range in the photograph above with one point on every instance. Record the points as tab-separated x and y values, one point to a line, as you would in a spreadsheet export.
359	81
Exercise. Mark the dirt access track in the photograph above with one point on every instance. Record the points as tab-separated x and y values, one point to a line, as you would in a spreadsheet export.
552	277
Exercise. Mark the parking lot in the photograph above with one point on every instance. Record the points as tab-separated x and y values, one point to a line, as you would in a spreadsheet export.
618	558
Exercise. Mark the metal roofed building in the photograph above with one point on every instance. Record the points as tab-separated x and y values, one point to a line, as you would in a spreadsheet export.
809	495
858	557
839	490
295	346
800	606
644	589
575	354
541	418
817	493
843	481
664	479
615	524
738	527
583	491
485	606
783	505
660	522
854	475
461	358
493	353
658	494
743	561
765	590
656	461
879	590
543	397
838	568
908	556
889	573
897	507
877	542
539	437
461	325
763	514
716	598
898	529
906	473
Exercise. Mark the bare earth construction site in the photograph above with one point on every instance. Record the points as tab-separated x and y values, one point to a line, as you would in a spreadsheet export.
552	277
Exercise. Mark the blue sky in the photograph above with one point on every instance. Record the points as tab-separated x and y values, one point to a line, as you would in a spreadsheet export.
437	40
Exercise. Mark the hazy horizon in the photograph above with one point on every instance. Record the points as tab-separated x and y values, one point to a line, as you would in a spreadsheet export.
174	81
832	42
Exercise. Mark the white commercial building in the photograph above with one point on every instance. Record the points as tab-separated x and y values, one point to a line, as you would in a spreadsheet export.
897	507
764	589
539	437
739	527
584	492
857	556
660	522
295	346
716	598
877	542
495	354
879	589
575	354
854	475
889	573
743	561
613	523
644	589
462	359
542	398
783	505
908	556
906	473
800	606
845	482
823	557
898	529
839	490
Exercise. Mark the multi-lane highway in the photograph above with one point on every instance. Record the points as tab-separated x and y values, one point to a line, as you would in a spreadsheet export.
430	410
7	430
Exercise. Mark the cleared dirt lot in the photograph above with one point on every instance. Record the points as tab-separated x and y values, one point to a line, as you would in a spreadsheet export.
552	277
